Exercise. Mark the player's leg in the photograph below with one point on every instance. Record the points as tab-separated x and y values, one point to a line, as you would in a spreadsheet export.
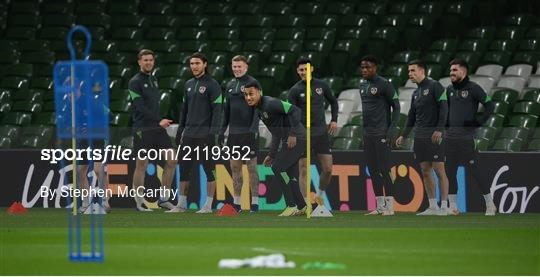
185	176
443	186
371	160
209	167
326	163
163	144
284	160
382	158
429	185
238	181
302	173
253	184
299	199
482	183
451	167
138	181
82	180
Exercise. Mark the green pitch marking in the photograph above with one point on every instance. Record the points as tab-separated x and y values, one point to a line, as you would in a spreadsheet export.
192	244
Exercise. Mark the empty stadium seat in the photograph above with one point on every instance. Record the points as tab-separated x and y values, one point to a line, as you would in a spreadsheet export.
507	145
521	70
492	70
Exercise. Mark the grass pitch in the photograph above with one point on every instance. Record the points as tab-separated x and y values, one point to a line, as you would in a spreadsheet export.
192	244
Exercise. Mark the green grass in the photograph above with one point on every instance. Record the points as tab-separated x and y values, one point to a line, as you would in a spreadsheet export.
192	244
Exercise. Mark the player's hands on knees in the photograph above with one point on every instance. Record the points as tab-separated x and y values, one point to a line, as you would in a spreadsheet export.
291	142
436	138
164	123
332	128
399	141
268	161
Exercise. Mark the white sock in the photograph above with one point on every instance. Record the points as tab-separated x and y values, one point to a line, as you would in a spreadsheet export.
237	200
488	199
380	202
444	204
208	203
182	201
254	200
389	200
452	199
433	203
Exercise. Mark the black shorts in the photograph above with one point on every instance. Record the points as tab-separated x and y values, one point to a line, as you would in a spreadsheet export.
189	155
285	158
426	151
151	139
320	144
92	144
242	140
460	151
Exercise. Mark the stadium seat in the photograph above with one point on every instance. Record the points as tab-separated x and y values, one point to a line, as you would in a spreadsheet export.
308	8
286	45
497	57
534	145
10	131
251	9
39	57
172	83
290	34
14	82
529	45
27	96
20	33
503	45
472	58
257	34
484	32
24	20
515	132
380	41
262	48
34	141
532	95
473	45
127	33
17	118
224	34
278	8
523	120
488	133
160	34
188	8
340	8
507	145
351	131
257	21
347	143
486	82
519	20
514	33
193	46
335	83
511	82
509	96
218	8
526	57
321	21
121	8
445	45
190	33
357	21
129	21
434	71
289	21
164	104
437	57
358	33
223	21
526	107
44	118
491	70
92	21
5	143
51	20
395	20
225	46
481	144
157	8
522	70
127	142
119	119
430	7
285	58
495	120
405	56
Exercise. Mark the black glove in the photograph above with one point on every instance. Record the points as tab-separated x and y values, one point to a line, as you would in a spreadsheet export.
178	138
471	123
221	140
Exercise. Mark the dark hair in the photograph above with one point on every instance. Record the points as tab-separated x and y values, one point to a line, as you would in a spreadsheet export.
460	62
202	57
303	60
145	52
239	58
370	58
253	84
419	63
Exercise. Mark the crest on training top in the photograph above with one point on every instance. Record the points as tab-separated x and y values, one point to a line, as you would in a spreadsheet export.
202	89
318	91
373	91
464	93
425	92
242	88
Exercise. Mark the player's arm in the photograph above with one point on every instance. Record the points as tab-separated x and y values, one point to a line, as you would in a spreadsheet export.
254	127
226	115
216	101
334	108
182	118
136	95
392	98
441	98
482	97
411	119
